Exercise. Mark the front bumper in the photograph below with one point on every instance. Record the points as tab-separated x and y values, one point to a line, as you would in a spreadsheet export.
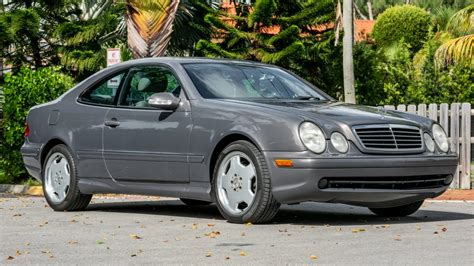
300	183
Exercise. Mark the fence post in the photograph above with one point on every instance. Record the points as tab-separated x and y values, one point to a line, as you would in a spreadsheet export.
465	179
433	112
422	109
402	107
411	109
443	117
454	136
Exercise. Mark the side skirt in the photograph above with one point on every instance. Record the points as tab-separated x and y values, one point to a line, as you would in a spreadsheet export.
193	190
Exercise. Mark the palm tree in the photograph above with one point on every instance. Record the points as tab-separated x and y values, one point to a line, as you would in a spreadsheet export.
461	49
149	26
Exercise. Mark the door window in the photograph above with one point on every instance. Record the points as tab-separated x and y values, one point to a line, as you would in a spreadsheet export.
146	81
104	93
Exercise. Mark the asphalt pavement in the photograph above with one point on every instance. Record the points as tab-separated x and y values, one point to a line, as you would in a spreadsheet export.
148	230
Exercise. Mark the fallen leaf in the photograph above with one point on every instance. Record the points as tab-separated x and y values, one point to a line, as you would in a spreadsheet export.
227	258
213	234
16	214
100	242
313	257
133	255
283	230
398	238
135	236
27	244
242	234
208	254
248	224
385	226
211	225
242	253
357	230
10	258
435	232
444	229
72	242
18	253
194	226
327	225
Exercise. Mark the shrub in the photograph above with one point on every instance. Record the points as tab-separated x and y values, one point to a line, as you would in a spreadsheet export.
407	22
22	91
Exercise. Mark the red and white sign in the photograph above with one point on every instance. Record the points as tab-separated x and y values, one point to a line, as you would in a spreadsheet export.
113	56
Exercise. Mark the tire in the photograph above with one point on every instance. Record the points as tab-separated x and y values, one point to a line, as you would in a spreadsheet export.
72	199
192	202
399	211
263	207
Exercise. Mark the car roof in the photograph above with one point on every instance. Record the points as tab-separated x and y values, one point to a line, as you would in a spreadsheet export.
187	60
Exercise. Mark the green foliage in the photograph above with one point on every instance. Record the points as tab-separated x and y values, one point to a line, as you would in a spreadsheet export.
407	22
462	22
22	91
298	46
263	12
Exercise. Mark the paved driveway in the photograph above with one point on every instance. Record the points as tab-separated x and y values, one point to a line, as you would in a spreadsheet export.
147	230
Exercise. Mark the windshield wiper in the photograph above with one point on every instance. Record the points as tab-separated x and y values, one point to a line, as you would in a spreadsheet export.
307	98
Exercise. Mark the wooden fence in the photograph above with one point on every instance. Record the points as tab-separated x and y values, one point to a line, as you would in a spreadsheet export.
456	121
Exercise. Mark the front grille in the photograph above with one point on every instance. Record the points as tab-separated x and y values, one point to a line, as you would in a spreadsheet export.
389	137
391	182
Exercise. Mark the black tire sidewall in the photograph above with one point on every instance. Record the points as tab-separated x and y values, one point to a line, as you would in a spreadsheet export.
244	147
73	191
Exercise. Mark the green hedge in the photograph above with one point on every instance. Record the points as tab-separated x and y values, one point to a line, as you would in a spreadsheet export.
408	23
22	91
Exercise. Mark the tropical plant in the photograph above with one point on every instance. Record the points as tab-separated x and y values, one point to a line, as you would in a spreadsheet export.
405	22
461	49
149	26
297	35
22	91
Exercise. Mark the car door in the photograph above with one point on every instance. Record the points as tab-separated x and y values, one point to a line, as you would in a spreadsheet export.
142	143
86	122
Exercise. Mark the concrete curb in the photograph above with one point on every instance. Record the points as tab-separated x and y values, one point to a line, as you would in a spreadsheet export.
21	189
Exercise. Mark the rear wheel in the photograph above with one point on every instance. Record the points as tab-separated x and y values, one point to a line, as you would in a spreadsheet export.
399	211
242	185
192	202
60	183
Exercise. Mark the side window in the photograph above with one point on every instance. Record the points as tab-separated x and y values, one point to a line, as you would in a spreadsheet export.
105	92
146	81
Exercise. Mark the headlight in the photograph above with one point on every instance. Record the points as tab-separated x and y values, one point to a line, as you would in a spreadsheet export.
339	142
430	145
312	137
440	138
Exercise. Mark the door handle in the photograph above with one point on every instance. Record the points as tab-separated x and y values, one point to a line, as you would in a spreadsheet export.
112	123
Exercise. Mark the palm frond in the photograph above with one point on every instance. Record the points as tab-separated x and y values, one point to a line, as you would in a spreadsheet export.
459	50
149	26
462	22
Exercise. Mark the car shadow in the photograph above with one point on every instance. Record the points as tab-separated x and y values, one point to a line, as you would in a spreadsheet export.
302	214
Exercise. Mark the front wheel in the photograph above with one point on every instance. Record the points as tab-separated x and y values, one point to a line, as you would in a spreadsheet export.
242	185
399	211
60	183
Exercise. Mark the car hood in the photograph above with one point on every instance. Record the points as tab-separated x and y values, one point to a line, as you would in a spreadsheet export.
349	114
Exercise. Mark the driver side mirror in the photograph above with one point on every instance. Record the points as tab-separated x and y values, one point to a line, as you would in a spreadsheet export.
164	100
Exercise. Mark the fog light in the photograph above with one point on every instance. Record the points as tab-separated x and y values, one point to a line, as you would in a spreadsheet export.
448	179
323	183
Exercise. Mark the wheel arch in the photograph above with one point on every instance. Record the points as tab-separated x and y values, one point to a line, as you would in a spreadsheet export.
224	142
48	146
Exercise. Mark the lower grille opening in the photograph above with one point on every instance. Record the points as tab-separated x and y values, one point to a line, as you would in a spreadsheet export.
387	182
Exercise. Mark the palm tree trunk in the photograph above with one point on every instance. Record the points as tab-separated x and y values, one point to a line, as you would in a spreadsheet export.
347	43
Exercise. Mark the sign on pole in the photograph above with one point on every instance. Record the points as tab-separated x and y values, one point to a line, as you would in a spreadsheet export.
113	58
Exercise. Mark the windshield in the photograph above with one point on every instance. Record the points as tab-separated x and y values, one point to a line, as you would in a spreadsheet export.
234	81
